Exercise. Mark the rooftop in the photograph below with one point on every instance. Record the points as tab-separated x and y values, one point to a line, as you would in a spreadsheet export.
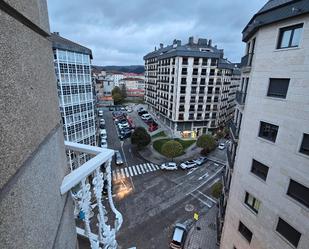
274	11
194	48
65	44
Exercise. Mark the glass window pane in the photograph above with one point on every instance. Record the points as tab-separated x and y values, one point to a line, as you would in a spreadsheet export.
296	37
285	38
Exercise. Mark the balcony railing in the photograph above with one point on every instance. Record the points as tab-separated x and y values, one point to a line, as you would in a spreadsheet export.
240	97
246	61
233	130
86	182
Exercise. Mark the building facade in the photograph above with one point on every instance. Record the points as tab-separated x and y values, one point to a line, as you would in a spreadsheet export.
75	90
189	86
135	86
268	200
33	161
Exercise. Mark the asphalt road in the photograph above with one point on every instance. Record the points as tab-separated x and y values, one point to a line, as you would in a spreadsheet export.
151	200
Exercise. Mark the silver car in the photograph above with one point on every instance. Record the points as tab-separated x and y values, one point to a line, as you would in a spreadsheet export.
169	166
118	158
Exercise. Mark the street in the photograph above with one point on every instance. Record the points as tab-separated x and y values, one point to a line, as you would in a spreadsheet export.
151	200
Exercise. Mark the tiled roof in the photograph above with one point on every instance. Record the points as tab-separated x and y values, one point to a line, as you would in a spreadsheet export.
274	11
65	44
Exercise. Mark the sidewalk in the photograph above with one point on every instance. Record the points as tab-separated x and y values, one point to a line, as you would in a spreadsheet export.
203	233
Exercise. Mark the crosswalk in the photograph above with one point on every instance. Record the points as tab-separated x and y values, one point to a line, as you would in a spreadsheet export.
135	170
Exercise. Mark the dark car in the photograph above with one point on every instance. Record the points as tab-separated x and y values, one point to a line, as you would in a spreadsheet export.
125	135
142	112
118	158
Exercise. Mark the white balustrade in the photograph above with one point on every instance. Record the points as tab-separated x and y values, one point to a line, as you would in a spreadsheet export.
83	192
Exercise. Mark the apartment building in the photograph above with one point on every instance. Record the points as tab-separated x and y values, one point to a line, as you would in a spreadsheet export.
75	89
268	160
189	86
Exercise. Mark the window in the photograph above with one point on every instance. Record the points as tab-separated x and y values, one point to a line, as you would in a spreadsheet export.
245	231
252	202
259	169
289	37
278	88
304	148
288	232
268	131
185	61
299	192
184	71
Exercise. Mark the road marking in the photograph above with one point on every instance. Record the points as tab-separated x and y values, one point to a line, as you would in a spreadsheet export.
148	165
131	173
135	172
127	172
145	167
142	168
139	171
156	166
118	174
114	175
210	178
153	167
201	200
122	174
203	176
191	171
208	197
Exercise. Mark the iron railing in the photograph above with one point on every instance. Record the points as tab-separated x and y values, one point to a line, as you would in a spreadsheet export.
86	182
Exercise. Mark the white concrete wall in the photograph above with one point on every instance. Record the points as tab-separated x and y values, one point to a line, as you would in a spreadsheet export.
282	157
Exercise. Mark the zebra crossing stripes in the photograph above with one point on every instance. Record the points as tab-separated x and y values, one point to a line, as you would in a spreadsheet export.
134	170
148	165
138	169
127	172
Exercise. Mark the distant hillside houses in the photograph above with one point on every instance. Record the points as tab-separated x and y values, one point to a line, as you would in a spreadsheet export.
105	81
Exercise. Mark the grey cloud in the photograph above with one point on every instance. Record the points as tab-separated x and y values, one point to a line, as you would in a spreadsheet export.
121	32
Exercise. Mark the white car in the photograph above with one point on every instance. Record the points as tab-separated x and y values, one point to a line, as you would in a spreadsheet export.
124	125
146	116
169	166
221	146
100	113
102	121
201	160
103	143
103	134
188	165
179	236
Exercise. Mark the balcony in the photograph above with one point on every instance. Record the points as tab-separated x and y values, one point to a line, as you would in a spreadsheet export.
240	97
234	131
86	183
246	62
230	158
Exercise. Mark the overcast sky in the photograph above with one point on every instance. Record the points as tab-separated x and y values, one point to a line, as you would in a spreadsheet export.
121	32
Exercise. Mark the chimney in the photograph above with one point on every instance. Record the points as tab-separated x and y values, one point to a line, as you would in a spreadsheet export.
155	48
174	43
209	42
178	43
202	42
56	33
161	45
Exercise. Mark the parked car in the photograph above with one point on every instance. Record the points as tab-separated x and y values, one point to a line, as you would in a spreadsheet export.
201	160
169	166
118	158
100	113
123	125
103	143
124	135
140	113
152	128
102	123
111	108
146	116
103	134
179	236
221	146
188	165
